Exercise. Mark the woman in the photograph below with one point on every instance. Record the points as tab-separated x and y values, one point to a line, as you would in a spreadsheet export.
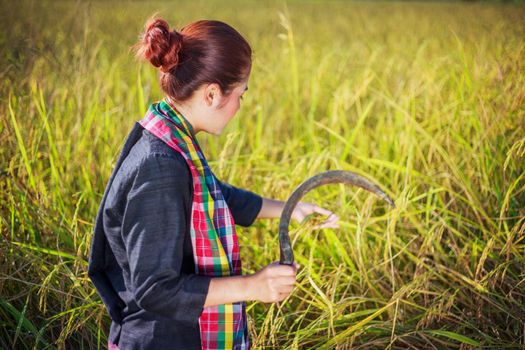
164	256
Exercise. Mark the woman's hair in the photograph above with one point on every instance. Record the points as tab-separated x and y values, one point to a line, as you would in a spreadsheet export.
204	51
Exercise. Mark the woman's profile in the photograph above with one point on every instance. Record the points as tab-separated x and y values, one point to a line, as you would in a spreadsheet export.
164	256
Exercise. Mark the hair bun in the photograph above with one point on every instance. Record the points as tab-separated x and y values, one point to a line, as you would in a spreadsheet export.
159	45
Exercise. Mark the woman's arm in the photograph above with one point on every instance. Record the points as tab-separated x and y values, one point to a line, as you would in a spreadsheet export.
271	284
153	228
244	204
274	282
272	208
224	290
247	206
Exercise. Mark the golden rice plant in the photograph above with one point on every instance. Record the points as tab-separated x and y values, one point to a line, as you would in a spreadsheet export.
426	99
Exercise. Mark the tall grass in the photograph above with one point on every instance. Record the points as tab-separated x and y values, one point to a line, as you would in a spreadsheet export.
426	99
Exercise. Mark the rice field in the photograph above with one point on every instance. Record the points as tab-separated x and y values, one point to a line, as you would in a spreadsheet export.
425	99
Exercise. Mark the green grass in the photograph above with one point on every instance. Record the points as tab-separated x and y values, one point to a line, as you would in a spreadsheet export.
426	99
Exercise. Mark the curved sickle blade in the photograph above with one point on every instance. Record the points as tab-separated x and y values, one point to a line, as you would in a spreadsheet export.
327	177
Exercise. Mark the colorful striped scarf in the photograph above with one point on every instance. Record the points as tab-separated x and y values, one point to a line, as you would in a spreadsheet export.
213	237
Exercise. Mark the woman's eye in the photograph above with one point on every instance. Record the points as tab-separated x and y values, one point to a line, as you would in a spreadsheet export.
242	97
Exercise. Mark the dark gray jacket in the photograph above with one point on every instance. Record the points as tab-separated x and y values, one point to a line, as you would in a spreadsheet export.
141	259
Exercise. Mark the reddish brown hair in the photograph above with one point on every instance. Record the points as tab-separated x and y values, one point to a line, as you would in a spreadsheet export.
204	51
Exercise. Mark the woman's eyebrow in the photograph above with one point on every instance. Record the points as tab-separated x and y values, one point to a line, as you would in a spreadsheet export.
246	88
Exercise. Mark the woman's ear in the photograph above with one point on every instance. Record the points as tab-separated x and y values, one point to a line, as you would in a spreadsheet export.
212	95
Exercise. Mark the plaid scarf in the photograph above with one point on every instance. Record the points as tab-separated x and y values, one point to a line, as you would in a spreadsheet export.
213	237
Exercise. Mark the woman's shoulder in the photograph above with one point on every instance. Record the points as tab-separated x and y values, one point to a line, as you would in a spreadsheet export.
149	146
153	146
160	157
152	157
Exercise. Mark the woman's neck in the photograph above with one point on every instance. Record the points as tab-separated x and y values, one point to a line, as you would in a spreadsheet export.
186	113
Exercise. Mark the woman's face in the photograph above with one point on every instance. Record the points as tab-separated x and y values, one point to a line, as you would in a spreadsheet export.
226	109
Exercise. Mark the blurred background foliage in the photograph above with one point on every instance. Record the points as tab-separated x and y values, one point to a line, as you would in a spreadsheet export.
426	99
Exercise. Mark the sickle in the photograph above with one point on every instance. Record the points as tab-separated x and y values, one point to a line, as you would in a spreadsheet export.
327	177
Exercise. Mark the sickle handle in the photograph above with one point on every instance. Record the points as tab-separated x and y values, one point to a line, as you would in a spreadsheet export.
327	177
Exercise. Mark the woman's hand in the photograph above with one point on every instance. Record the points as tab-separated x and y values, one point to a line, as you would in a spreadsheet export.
272	208
303	209
272	283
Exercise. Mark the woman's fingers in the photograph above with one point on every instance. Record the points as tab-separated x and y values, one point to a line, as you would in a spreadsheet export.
331	222
332	218
305	209
323	211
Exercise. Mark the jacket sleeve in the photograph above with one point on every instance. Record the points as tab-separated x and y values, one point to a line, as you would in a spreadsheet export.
244	205
154	224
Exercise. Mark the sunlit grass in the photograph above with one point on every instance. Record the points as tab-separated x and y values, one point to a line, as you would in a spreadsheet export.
427	100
